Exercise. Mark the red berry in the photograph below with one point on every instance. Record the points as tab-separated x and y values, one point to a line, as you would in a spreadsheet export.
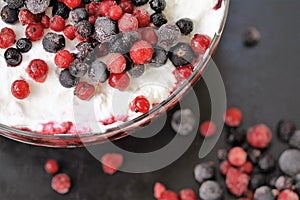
93	8
148	34
84	91
57	23
119	81
247	167
7	37
140	104
34	31
127	6
105	6
45	21
92	19
109	121
20	89
141	52
37	70
237	182
72	3
128	22
51	166
218	4
116	63
142	16
237	156
287	195
26	17
208	128
111	162
63	59
187	194
70	32
168	195
61	183
115	12
259	136
233	117
182	73
200	43
159	188
224	167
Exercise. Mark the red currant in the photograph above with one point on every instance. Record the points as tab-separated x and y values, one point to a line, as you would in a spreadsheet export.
115	12
57	23
72	3
26	17
259	136
159	188
111	162
7	37
168	195
208	128
224	167
237	156
200	43
37	70
140	104
187	194
20	89
45	21
233	117
70	32
84	91
51	166
116	63
127	6
182	73
142	16
119	81
247	167
141	52
61	183
105	6
35	31
128	22
63	59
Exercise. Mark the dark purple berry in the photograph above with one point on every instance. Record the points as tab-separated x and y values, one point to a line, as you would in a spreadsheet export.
61	9
37	6
222	154
86	52
24	45
256	181
284	182
139	2
14	4
159	58
8	15
98	72
168	35
53	42
123	42
102	49
158	19
210	190
183	122
204	171
84	28
105	28
289	162
78	14
236	136
78	68
12	56
266	163
158	5
136	71
264	193
295	140
66	79
285	129
181	54
185	25
251	36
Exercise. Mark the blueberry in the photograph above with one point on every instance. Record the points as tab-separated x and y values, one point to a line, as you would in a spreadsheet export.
264	193
105	28
102	49
139	2
222	154
254	155
236	136
183	121
86	52
12	56
24	45
295	140
185	25
61	9
289	162
181	54
284	182
158	19
168	35
78	14
158	5
256	181
136	71
84	28
53	42
285	129
210	190
8	15
123	42
37	6
66	79
98	72
204	171
266	162
78	68
159	58
14	4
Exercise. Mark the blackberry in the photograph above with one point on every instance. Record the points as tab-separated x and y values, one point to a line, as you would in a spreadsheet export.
289	162
61	9
159	58
12	56
78	14
284	182
24	45
86	52
183	122
53	42
256	181
185	25
123	42
222	154
14	4
78	68
295	140
264	193
158	5
84	28
98	72
204	171
66	79
158	19
139	2
285	129
181	54
168	35
8	15
210	190
266	163
37	6
236	136
136	71
104	28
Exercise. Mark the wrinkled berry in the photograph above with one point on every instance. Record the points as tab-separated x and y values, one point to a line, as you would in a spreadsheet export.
111	162
12	57
34	31
266	162
185	25
66	79
204	171
285	129
57	23
26	17
104	28
128	22
181	54
259	136
61	183
8	15
53	42
295	140
264	193
237	182
289	162
115	12
38	69
37	6
210	190
158	5
63	59
98	72
127	6
7	38
143	17
158	19
61	9
84	28
78	15
86	51
70	31
51	166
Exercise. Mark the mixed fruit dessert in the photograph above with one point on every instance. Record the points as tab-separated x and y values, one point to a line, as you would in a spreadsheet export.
60	58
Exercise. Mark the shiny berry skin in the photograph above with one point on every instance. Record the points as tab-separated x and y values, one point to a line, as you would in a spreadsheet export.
185	25
237	156
8	15
127	6
51	166
187	194
111	162
57	23
119	81
208	128
12	57
34	31
63	59
84	91
168	195
20	89
158	5
7	37
236	181
233	117
140	104
159	188
158	19
24	45
142	16
285	130
224	167
116	63
72	3
287	195
259	136
141	52
37	69
105	6
200	43
26	17
115	12
66	79
182	73
69	32
128	22
61	183
247	167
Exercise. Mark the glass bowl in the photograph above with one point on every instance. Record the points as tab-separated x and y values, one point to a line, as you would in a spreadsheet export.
124	129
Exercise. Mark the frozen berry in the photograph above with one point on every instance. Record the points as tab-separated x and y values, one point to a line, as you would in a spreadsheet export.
53	42
116	63
254	155
57	23
222	154
256	181
37	69
224	167
98	72
187	194
102	49
14	4
84	91
181	54
61	9
200	43
210	190
140	104
185	25
7	37
136	71
204	171
128	22
251	36
233	117
45	21
8	15
84	28
72	3
105	6
285	129
182	73
34	31
86	51
51	166
119	81
78	15
237	156
61	183
287	195
159	188
168	195
237	182
142	16
20	89
111	162
158	5
78	68
24	45
104	28
266	162
115	12
26	17
66	79
127	6
284	182
123	42
139	2
159	58
264	193
259	136
289	162
247	167
236	136
183	121
208	128
148	34
63	58
37	6
295	140
69	32
141	52
12	57
168	35
158	19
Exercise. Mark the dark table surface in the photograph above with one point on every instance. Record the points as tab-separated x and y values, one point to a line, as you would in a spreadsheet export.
263	81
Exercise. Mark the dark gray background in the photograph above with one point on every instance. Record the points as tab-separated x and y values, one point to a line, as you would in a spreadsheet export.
263	81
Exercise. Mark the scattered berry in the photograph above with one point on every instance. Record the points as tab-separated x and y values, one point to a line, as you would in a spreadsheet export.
210	190
254	155
51	166
158	19
141	52
84	28
84	91
237	156
224	167
289	162
78	68
159	188
181	54
142	16
287	195
45	21
208	128
98	72
200	43
247	167
127	6
20	89
128	22
284	182
148	34
61	183
233	117
259	136
264	193
115	12
168	195
8	15
119	81
78	15
116	63
222	154
66	79
136	71
204	171
69	32
60	9
105	6
105	28
139	2
237	182
123	42
63	59
266	162
57	23
34	31
183	121
53	42
251	36
187	194
37	6
168	35
26	17
285	130
159	58
86	51
72	3
24	45
140	104
111	162
7	37
236	136
158	5
185	25
12	57
295	140
37	69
